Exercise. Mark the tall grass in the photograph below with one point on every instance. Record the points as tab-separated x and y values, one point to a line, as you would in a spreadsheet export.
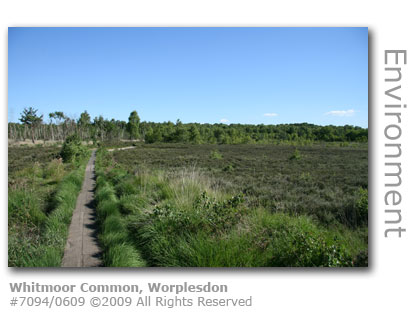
114	237
37	238
57	224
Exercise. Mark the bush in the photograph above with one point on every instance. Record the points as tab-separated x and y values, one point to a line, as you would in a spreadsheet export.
228	168
298	242
355	213
362	206
215	154
296	155
72	149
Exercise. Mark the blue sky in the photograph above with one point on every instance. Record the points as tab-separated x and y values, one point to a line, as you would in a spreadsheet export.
206	75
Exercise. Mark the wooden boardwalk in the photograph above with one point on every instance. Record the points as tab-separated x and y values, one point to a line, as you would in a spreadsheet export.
82	249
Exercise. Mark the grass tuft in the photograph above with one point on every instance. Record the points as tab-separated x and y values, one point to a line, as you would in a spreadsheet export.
114	237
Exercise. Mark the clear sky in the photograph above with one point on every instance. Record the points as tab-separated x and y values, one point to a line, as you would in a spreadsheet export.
206	75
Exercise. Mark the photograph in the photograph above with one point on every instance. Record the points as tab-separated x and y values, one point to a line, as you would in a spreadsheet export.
188	147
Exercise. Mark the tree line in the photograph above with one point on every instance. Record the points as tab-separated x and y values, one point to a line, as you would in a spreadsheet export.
60	126
32	126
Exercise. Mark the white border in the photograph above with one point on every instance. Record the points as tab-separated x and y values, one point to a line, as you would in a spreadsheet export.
379	291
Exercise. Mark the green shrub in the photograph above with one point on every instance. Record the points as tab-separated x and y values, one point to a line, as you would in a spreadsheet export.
362	206
298	242
215	154
219	216
355	212
296	155
228	168
72	149
361	259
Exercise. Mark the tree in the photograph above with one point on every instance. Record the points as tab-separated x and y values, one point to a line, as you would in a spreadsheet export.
61	126
84	119
194	134
149	136
29	117
84	122
133	125
180	133
99	127
58	115
51	116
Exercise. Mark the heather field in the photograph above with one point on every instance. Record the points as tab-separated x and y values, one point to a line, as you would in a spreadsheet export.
234	205
318	180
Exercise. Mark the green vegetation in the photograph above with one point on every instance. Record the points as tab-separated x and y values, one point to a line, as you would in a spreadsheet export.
133	125
302	133
113	234
178	206
60	127
30	118
296	155
73	149
42	195
324	184
24	157
216	155
193	194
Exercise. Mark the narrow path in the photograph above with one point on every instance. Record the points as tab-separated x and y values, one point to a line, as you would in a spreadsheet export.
124	148
82	248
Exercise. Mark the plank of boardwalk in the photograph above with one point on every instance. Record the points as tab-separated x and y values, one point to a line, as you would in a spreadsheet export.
82	249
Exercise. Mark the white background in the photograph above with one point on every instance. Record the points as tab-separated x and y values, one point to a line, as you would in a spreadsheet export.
379	291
